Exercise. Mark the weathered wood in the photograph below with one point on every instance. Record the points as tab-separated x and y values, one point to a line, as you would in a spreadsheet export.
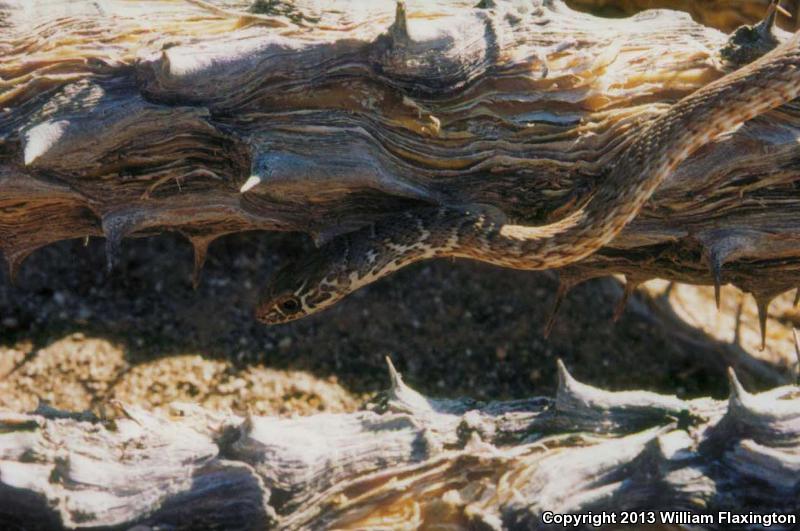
405	461
124	119
726	15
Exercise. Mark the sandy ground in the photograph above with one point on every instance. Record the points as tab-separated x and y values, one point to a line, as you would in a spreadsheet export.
76	337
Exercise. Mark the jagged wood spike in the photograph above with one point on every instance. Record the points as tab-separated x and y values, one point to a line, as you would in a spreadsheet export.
14	267
14	260
762	408
762	303
631	285
737	390
568	388
118	225
768	23
399	29
565	379
721	246
402	397
395	378
715	262
200	252
572	395
200	246
568	278
740	401
563	288
750	42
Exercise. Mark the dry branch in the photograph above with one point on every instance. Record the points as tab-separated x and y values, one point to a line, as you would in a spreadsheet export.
124	119
405	461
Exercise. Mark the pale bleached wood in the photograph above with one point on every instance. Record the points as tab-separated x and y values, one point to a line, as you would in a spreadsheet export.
404	461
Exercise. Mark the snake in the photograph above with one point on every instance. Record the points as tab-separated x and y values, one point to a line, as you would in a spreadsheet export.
353	260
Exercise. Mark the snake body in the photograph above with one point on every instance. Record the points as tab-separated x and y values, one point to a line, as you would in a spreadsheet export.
361	257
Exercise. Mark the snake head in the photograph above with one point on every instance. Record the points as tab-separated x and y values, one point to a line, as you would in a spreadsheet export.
307	286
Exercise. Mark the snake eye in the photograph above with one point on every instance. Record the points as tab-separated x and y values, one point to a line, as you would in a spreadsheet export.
290	305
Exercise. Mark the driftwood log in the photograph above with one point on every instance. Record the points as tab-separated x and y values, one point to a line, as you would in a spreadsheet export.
408	461
123	119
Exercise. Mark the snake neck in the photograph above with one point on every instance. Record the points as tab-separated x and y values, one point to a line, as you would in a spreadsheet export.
357	259
670	139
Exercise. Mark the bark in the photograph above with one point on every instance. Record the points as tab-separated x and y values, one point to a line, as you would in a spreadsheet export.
405	461
124	119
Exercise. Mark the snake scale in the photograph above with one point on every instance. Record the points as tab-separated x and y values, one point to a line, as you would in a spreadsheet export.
354	260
